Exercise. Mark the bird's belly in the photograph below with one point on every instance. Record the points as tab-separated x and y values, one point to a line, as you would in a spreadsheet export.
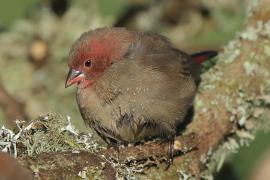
124	121
128	128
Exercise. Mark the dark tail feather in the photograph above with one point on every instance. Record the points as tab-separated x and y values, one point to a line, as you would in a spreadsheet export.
200	57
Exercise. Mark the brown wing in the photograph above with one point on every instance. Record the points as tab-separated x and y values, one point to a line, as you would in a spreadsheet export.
156	84
156	51
156	88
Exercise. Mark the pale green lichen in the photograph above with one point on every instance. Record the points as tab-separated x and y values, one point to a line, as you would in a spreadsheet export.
214	160
266	50
182	175
48	133
232	51
253	69
211	80
266	31
250	68
248	111
253	4
91	172
252	33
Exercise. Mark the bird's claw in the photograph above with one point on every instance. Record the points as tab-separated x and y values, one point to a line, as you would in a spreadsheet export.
170	152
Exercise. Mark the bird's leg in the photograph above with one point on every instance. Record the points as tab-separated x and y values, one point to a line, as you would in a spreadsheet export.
116	147
170	151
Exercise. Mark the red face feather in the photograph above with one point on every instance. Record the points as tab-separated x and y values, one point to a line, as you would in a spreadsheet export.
102	48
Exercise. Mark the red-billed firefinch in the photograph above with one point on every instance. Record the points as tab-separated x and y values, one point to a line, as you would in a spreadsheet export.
132	85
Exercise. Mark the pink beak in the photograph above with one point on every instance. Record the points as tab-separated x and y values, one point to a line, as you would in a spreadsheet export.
73	77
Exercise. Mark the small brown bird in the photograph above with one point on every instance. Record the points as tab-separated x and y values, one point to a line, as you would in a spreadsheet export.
132	85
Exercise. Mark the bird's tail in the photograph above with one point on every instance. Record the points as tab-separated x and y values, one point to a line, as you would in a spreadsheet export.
200	57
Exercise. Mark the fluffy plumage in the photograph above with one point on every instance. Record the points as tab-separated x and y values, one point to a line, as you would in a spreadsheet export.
134	86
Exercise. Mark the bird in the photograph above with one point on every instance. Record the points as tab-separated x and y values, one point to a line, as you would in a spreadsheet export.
133	86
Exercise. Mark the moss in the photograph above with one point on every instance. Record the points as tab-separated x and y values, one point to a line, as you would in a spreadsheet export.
48	133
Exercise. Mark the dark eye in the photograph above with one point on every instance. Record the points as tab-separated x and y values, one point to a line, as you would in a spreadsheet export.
88	63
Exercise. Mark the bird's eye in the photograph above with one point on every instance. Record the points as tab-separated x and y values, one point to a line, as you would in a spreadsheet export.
88	63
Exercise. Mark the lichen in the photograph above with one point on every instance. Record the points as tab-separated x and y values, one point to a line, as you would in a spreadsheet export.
48	133
231	52
245	101
267	50
251	33
91	172
266	31
55	133
250	68
182	175
253	4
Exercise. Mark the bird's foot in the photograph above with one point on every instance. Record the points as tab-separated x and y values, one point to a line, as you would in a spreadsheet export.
170	152
116	147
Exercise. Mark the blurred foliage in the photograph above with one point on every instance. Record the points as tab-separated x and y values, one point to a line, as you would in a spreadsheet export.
244	162
112	7
41	87
13	9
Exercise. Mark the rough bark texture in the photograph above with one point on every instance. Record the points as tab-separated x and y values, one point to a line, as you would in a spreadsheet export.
107	163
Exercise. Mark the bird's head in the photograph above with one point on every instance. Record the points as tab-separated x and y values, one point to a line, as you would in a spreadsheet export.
94	52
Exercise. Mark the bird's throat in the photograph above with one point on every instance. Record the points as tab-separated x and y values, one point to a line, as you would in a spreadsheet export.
84	83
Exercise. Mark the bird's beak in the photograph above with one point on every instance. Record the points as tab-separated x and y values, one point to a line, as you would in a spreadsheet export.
73	77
